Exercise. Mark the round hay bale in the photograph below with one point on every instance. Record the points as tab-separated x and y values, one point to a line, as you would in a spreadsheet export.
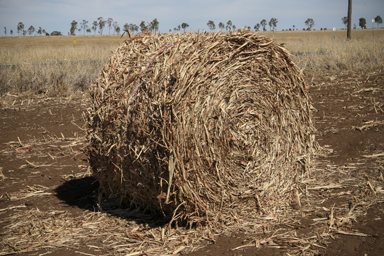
201	126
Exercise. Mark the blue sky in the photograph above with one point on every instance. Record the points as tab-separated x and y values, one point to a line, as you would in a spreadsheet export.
58	14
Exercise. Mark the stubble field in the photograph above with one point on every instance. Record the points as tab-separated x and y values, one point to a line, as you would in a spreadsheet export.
49	202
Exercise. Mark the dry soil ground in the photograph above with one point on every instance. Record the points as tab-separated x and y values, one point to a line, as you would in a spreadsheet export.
42	167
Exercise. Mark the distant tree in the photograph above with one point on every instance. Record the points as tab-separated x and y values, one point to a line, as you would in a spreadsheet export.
56	33
133	27
273	23
178	27
354	26
257	27
309	23
362	23
229	25
31	30
378	20
154	25
221	25
263	23
345	21
117	30
101	24
233	27
88	31
94	27
39	31
129	26
84	26
73	28
24	32
115	26
109	23
293	27
184	25
11	32
211	25
5	31
44	32
143	27
20	27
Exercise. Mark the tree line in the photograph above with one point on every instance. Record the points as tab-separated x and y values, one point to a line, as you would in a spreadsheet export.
362	22
31	30
99	25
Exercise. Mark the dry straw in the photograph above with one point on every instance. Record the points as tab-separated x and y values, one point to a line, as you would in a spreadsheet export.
203	127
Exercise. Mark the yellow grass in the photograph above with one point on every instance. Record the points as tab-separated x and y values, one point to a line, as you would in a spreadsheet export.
52	65
319	52
316	52
56	48
312	39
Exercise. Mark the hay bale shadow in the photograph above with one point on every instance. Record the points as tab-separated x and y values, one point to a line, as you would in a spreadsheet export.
83	193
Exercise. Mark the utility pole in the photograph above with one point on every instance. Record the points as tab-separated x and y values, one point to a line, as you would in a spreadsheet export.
349	19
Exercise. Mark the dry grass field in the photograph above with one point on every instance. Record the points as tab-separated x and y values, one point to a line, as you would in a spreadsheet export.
56	48
62	48
52	65
328	54
55	65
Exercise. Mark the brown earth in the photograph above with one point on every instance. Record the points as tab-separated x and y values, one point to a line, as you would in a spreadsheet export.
42	167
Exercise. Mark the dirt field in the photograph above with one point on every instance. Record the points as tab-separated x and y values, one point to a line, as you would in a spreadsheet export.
44	173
